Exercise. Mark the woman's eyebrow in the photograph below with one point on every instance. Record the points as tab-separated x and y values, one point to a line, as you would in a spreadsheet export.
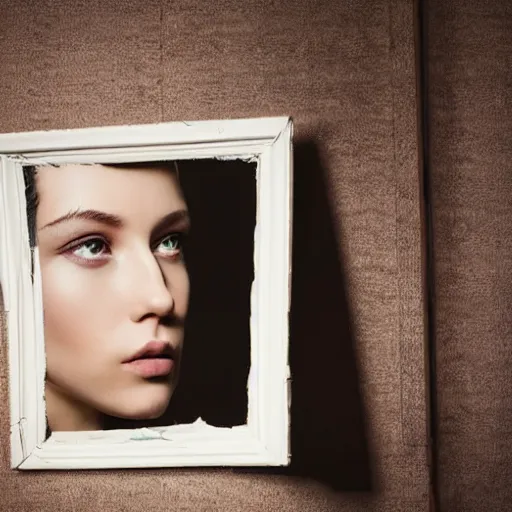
180	216
94	215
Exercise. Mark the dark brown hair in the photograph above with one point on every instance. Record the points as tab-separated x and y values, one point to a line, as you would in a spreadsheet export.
29	175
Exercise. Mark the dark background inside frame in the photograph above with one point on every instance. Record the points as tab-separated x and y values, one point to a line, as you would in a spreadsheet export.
221	197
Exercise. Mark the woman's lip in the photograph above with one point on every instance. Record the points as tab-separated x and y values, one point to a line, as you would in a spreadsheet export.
152	349
150	367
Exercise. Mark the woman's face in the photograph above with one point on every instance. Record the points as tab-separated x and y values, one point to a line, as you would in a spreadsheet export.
115	286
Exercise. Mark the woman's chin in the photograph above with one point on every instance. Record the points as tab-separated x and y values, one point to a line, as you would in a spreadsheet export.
144	408
146	412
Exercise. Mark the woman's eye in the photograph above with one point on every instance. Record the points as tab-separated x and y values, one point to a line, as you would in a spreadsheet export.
90	249
170	245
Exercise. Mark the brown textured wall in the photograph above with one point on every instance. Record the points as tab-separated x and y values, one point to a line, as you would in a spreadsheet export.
346	72
470	125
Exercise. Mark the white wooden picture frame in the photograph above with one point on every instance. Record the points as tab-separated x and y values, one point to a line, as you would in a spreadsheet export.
264	439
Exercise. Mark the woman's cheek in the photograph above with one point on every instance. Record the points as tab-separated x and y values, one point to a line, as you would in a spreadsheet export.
182	287
67	301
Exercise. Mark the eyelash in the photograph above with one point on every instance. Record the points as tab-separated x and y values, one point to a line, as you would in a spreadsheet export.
72	249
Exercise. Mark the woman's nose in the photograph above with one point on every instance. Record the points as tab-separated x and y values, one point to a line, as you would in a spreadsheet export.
151	293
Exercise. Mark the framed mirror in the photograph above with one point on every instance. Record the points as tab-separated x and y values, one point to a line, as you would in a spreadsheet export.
145	275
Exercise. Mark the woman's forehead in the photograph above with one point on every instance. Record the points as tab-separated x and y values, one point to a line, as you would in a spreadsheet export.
117	189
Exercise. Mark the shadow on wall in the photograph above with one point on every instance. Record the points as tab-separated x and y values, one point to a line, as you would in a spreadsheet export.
328	430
